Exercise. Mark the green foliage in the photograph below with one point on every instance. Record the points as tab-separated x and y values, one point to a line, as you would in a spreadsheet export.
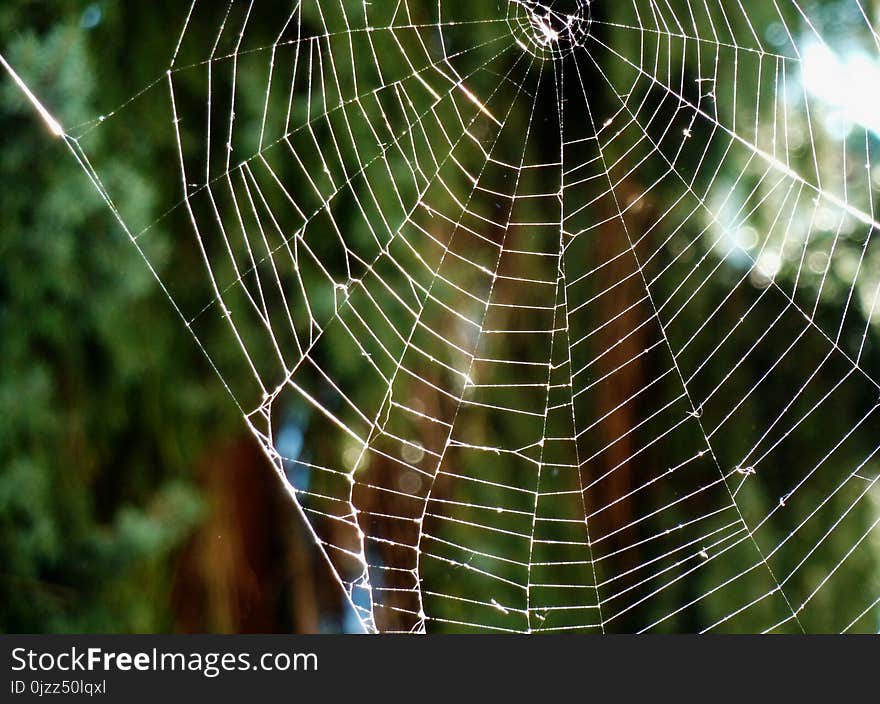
96	488
106	402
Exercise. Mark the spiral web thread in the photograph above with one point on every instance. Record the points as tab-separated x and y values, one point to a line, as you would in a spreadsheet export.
557	302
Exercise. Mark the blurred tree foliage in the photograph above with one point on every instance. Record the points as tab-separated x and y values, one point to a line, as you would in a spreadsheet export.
96	487
107	404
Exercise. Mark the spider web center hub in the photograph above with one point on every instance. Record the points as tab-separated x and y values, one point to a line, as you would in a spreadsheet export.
552	29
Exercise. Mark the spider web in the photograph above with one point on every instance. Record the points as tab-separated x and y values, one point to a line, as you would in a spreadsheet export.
571	293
